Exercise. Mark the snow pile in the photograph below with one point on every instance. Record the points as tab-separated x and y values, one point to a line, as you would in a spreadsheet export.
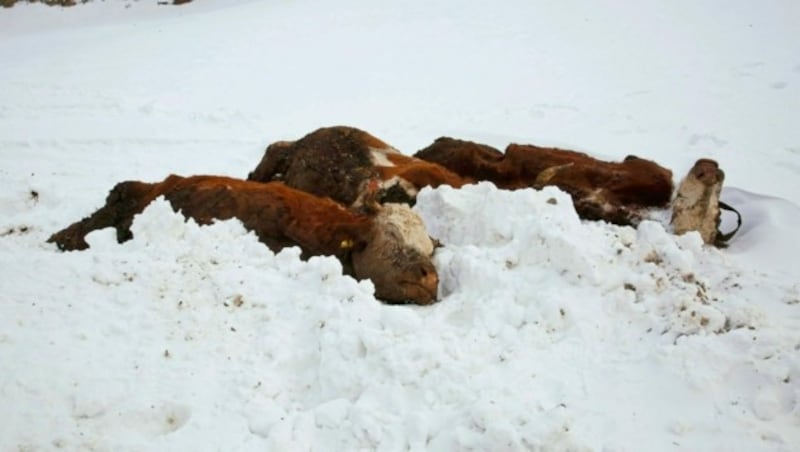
521	269
541	239
552	334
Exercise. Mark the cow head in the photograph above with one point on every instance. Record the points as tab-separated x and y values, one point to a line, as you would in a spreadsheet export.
696	204
397	258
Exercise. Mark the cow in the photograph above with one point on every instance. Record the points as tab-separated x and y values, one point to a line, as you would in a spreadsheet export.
350	166
617	192
387	244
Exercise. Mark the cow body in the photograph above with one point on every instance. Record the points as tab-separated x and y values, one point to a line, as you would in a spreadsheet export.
280	216
349	165
612	191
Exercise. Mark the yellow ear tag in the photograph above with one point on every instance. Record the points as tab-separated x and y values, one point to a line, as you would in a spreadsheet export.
346	243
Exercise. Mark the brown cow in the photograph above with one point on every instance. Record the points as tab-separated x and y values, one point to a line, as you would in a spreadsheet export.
616	192
388	246
349	165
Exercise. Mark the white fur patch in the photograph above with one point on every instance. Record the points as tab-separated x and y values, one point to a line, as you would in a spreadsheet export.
378	156
407	186
399	220
696	208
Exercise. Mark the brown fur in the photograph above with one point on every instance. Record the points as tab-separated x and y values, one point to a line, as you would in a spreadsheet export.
419	173
333	162
465	158
610	191
280	216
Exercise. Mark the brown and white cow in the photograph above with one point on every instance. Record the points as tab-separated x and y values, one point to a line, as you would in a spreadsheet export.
350	166
355	168
616	192
388	245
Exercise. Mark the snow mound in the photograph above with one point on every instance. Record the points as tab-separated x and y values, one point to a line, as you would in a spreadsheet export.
533	240
552	334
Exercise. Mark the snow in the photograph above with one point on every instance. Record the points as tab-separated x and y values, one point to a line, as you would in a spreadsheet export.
552	333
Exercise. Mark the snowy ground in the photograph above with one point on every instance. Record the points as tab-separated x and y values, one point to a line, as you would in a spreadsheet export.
552	333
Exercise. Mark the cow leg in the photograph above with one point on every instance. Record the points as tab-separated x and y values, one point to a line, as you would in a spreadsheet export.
124	201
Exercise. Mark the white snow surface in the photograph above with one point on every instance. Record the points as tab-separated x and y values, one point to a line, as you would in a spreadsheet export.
552	333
